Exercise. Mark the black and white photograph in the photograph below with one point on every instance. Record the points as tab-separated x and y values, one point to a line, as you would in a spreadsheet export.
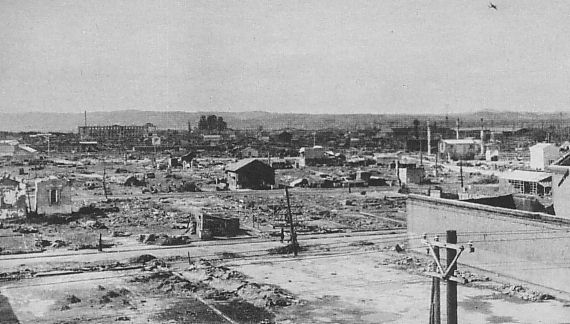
284	161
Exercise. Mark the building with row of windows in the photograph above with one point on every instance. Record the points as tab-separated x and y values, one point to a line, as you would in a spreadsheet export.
116	132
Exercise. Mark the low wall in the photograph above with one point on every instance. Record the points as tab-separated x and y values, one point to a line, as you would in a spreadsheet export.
528	246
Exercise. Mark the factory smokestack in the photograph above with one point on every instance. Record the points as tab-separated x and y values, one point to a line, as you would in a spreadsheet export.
457	129
428	139
482	138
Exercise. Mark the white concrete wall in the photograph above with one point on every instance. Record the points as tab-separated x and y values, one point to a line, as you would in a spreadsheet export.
543	156
526	246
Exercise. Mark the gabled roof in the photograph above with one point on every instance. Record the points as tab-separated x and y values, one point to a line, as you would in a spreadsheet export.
27	148
234	167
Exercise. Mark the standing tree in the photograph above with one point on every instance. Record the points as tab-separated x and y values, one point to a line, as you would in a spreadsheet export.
202	124
221	124
212	122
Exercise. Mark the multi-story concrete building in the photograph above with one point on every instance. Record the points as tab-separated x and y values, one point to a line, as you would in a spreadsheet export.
460	149
116	132
543	155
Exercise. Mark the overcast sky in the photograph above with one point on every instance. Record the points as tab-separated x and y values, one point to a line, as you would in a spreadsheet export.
328	56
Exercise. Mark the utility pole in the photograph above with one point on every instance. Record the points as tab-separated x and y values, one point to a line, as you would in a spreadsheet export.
435	306
436	156
448	274
293	234
451	237
461	172
105	183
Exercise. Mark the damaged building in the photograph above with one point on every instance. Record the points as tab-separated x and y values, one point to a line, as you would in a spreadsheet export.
410	173
13	199
208	226
52	196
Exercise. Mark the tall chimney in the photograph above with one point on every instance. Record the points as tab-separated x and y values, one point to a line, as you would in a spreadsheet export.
428	139
482	138
457	129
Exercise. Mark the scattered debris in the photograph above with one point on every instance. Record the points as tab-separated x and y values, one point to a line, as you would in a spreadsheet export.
524	294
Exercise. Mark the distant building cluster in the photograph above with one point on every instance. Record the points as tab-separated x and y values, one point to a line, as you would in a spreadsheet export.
14	151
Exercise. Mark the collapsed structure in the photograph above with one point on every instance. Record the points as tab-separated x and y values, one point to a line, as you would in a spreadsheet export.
13	199
208	226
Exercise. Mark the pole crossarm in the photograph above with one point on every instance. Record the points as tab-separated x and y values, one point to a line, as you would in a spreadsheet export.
453	263
442	273
437	262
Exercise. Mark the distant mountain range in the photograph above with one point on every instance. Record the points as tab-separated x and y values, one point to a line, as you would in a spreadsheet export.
68	122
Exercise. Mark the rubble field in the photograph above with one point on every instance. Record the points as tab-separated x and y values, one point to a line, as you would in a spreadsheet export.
150	219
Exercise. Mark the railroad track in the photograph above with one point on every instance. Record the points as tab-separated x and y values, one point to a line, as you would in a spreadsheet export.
250	248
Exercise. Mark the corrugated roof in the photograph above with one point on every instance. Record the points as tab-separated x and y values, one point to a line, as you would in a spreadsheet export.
528	176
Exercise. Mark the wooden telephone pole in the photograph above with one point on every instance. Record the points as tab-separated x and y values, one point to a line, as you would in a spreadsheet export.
293	234
461	172
448	274
105	183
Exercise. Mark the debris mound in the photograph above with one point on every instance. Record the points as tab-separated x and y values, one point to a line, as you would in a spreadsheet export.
143	258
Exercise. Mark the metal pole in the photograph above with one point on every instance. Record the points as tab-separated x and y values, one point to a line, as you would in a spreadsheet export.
451	285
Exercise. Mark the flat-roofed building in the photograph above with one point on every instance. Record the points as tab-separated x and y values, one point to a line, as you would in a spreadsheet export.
460	149
116	132
527	182
543	155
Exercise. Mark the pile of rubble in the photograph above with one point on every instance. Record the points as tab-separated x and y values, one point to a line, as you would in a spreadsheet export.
235	284
219	284
164	239
519	291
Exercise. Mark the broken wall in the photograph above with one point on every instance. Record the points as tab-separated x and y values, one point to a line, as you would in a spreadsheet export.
53	196
532	247
13	202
